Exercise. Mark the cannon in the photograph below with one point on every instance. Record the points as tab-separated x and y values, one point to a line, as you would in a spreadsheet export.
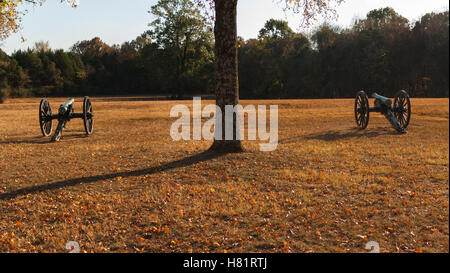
65	114
398	114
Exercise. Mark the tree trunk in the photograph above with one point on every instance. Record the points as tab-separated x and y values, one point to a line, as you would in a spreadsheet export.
226	70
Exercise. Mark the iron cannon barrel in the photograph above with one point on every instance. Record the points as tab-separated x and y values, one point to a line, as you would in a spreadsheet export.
68	103
64	108
382	99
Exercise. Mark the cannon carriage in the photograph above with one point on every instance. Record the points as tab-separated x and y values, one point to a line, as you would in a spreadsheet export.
65	114
398	114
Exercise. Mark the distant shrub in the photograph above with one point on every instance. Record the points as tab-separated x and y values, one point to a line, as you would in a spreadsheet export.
43	91
20	92
3	95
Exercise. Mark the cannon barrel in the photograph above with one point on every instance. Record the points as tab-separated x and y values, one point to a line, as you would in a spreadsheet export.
68	103
64	107
383	100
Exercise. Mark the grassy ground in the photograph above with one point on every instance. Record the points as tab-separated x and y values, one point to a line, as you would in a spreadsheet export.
129	188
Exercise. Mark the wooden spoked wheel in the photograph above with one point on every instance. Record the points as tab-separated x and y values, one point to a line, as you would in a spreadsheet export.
402	108
362	110
88	116
45	118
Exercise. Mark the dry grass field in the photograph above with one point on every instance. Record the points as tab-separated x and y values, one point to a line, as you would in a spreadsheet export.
329	187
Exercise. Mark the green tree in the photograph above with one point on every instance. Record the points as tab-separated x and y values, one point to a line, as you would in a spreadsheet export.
90	49
32	64
382	18
430	58
182	33
325	36
275	29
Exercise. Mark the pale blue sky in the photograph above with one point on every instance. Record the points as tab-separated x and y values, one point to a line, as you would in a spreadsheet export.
117	21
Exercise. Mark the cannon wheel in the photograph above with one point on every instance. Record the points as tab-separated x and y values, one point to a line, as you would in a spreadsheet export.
402	108
45	120
88	116
362	110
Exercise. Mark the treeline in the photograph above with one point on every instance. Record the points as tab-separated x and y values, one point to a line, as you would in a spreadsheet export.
383	52
95	68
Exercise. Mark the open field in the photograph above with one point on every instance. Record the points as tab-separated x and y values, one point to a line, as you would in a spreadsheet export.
129	188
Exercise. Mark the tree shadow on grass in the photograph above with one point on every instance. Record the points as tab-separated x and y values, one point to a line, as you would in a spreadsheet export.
42	140
185	162
33	140
340	135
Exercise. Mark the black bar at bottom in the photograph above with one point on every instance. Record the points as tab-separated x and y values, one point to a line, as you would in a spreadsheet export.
236	262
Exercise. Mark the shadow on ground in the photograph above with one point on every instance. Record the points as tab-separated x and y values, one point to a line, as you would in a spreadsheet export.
340	135
191	160
43	140
31	140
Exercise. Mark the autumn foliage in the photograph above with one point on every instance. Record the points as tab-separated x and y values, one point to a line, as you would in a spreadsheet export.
329	187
